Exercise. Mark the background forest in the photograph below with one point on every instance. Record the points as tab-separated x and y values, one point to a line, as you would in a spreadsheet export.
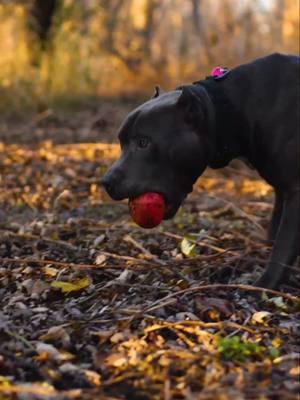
64	48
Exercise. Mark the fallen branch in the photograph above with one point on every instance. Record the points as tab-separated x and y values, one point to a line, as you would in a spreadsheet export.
71	265
221	286
199	243
28	236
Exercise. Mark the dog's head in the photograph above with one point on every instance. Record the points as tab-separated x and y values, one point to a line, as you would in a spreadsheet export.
165	147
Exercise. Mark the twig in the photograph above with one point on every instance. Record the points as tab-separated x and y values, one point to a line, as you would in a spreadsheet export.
249	239
287	357
241	212
241	327
199	243
66	265
126	258
39	117
47	240
163	304
21	339
139	246
203	257
103	267
262	204
222	286
208	325
257	260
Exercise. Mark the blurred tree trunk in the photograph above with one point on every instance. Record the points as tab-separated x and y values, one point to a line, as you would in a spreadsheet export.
41	13
115	23
112	9
278	18
249	27
151	7
200	30
112	18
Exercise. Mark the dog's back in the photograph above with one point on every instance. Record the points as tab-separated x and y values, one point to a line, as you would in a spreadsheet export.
267	92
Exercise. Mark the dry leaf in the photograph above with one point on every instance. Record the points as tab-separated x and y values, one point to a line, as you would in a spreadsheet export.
187	248
213	308
67	287
50	271
57	333
100	259
93	377
49	352
260	317
116	360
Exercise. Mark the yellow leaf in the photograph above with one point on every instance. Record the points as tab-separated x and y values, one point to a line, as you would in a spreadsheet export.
187	248
4	382
116	360
93	377
276	342
67	287
260	317
50	271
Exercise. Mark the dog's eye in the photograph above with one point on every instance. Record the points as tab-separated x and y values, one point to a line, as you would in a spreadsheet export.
142	142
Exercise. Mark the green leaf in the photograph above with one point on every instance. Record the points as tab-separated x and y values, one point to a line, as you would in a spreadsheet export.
187	248
273	353
232	348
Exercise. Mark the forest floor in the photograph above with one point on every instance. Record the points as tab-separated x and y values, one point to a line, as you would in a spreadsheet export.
93	307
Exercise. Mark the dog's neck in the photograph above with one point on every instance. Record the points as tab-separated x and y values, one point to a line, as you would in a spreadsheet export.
225	123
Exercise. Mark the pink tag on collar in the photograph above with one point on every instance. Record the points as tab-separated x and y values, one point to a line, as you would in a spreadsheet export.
217	71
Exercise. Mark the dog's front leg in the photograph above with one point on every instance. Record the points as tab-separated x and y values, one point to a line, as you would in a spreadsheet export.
287	241
276	216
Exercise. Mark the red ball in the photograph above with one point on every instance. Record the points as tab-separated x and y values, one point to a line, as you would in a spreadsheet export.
148	209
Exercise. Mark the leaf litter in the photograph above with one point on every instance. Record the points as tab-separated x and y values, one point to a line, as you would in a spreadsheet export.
92	307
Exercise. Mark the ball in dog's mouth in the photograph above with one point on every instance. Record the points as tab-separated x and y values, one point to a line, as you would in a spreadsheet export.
148	209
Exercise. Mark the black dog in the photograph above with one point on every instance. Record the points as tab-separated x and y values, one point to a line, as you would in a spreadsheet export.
251	112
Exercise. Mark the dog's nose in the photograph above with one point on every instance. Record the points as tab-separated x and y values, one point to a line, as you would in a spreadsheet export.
113	185
107	182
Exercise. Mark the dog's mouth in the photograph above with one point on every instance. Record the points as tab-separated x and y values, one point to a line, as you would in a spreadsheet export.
172	205
171	209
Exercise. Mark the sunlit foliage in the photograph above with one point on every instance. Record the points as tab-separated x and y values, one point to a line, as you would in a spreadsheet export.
110	47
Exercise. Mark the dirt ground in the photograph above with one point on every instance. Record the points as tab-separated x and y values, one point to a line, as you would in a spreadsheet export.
93	307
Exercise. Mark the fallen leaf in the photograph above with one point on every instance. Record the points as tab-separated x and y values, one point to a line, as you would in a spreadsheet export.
50	271
67	287
125	276
213	308
63	200
187	248
116	360
99	240
4	382
35	286
93	377
100	259
56	333
278	302
49	352
260	317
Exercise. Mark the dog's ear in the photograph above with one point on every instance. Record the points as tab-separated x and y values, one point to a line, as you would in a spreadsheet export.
191	106
196	108
158	92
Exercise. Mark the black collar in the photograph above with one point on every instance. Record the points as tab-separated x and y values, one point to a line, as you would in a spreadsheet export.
227	124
